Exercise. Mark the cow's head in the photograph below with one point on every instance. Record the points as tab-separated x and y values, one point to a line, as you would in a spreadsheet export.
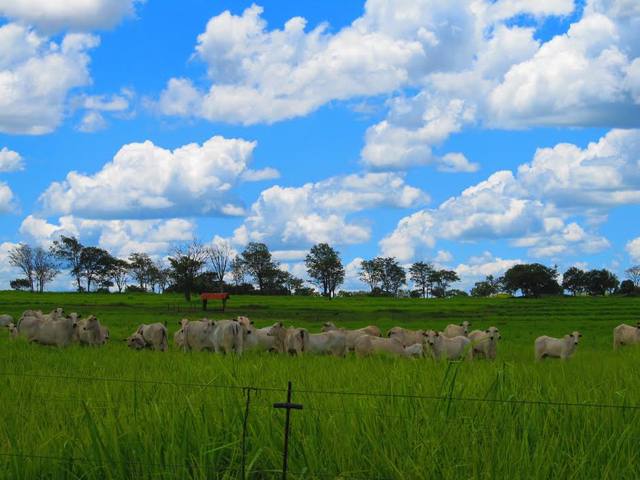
494	333
136	341
575	337
91	324
430	337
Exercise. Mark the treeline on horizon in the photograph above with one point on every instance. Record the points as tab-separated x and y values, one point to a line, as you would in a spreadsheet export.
194	268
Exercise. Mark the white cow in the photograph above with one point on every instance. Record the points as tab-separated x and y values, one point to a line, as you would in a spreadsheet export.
353	335
153	336
441	347
405	336
198	335
415	350
293	341
368	345
229	336
13	330
328	343
461	330
29	324
58	332
5	320
485	343
561	348
257	338
89	331
626	335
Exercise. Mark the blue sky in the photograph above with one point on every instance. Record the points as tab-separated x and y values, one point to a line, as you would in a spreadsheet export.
472	133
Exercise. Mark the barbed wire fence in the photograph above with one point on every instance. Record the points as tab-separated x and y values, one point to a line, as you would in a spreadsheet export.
249	392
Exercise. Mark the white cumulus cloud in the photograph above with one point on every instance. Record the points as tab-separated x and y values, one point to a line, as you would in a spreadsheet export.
36	76
633	249
120	237
7	199
147	181
535	208
77	15
291	217
10	161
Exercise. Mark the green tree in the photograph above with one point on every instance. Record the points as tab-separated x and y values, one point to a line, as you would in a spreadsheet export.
442	279
120	273
186	264
370	272
601	282
487	287
325	268
627	287
237	271
94	264
259	264
68	250
532	280
140	268
420	273
392	275
574	280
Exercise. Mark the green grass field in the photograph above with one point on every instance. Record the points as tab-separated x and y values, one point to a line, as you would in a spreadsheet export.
156	415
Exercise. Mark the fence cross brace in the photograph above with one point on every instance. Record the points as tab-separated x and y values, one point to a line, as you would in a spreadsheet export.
288	406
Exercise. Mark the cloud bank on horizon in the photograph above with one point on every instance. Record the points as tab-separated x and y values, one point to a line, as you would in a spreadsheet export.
200	144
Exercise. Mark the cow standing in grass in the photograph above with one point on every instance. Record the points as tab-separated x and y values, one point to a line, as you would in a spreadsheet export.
152	336
626	335
461	330
405	336
229	336
90	332
257	338
563	348
368	345
57	332
352	335
293	341
442	347
485	343
328	343
198	335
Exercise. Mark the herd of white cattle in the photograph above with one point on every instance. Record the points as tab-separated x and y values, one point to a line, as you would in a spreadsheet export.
238	335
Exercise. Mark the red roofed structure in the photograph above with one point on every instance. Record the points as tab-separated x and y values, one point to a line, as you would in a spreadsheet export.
214	296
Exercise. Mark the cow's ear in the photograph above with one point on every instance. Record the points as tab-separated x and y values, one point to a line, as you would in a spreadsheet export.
437	334
462	324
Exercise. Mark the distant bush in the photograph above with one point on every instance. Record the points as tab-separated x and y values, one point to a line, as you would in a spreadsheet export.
134	289
628	288
20	284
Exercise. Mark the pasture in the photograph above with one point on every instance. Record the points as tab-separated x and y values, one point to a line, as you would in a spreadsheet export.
111	412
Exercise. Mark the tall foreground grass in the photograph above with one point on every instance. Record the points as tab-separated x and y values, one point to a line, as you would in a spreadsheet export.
188	426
